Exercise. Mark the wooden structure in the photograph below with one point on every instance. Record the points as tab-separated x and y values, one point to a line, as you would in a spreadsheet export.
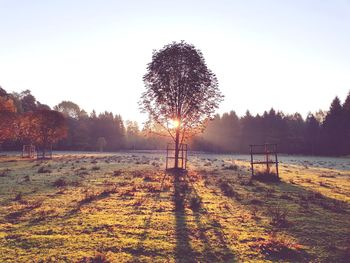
182	156
44	154
28	151
268	152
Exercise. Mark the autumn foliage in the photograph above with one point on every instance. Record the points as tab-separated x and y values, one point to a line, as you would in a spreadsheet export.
41	127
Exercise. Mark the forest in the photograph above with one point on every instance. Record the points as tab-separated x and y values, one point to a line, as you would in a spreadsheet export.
321	133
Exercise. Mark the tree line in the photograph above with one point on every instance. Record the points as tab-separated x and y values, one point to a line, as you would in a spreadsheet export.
321	133
67	126
24	120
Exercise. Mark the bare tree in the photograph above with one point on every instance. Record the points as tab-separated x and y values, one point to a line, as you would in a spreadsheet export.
101	143
181	92
69	109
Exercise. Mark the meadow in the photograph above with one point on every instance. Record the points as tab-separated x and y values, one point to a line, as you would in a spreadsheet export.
124	207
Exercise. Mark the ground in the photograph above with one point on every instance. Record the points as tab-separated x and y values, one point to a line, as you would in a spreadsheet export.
89	207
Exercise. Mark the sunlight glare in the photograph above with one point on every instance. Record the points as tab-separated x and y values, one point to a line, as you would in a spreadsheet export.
175	123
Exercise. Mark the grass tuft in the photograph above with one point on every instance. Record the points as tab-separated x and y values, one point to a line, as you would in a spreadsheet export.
278	217
60	182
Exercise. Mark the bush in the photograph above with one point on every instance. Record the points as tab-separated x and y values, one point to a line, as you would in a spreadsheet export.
95	168
117	172
256	202
281	249
195	203
43	169
233	167
278	217
18	197
265	176
98	258
4	173
227	189
148	178
60	182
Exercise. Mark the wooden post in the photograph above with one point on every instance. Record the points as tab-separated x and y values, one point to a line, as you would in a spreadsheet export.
177	142
276	160
267	159
167	151
182	156
186	157
251	159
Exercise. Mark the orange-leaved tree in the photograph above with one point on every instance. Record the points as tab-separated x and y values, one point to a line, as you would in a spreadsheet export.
181	92
47	127
8	117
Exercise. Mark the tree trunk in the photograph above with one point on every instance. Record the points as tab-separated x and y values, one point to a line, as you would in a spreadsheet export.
177	142
44	147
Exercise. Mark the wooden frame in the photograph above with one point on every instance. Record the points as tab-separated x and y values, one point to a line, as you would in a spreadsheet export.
44	154
267	149
182	157
28	151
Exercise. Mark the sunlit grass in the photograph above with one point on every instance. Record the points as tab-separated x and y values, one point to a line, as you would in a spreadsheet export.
124	208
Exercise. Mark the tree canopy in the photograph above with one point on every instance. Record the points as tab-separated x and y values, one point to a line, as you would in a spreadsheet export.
181	92
180	89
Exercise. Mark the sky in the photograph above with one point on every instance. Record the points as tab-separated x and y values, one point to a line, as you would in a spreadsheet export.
292	55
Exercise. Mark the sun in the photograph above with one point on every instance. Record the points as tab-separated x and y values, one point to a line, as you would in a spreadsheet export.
175	123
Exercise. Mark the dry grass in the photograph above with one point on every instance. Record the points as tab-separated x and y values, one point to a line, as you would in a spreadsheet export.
124	208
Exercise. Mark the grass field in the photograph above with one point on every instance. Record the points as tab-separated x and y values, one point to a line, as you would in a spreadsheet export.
84	207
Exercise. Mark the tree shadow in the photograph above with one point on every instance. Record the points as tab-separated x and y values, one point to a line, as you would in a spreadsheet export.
212	252
183	250
291	208
146	226
221	251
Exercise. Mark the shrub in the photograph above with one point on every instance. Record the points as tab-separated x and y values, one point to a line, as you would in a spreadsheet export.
148	178
4	173
43	169
281	249
117	172
18	197
98	258
227	189
195	203
278	217
233	167
265	176
256	202
88	197
60	182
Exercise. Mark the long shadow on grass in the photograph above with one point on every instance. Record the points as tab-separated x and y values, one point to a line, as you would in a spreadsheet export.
212	252
316	228
220	251
147	223
183	250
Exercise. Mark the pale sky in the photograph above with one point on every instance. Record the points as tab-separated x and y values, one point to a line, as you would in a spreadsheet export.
290	55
